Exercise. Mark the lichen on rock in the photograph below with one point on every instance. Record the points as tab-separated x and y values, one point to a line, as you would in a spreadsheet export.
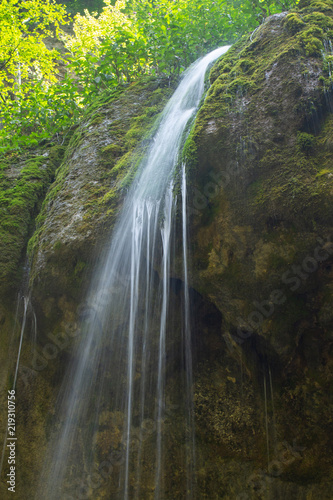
260	163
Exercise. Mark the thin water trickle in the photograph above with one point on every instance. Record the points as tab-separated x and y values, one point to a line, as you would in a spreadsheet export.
26	301
121	395
19	325
241	376
190	462
273	407
327	53
266	423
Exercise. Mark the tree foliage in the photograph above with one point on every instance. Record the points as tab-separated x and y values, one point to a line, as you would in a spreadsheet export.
27	68
116	46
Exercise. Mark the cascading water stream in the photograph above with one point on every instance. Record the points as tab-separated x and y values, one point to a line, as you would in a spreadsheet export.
118	394
190	465
27	307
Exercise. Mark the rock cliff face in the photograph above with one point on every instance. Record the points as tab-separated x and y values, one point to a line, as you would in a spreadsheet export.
260	167
261	161
87	174
80	207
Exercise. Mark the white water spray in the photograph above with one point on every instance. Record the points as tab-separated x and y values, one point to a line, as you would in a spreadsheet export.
121	379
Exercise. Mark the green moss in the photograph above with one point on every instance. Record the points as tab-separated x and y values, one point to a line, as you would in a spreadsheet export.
293	23
319	19
124	155
23	183
79	268
96	120
133	135
113	151
312	41
102	99
244	65
110	197
132	161
306	142
58	246
240	85
325	6
124	117
189	153
324	171
152	111
157	95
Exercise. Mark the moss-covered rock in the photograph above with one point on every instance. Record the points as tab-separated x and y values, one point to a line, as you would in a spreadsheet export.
80	206
24	180
84	180
260	171
260	162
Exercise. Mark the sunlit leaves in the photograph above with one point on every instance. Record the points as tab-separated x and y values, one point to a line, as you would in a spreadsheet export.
27	67
23	55
124	41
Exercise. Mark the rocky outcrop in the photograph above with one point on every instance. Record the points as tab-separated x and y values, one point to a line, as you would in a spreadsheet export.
80	207
260	168
260	159
84	178
24	181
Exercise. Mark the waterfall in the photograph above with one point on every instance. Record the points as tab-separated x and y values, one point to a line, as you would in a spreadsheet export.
124	418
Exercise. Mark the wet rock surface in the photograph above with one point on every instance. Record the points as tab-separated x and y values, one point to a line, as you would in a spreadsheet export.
260	167
262	226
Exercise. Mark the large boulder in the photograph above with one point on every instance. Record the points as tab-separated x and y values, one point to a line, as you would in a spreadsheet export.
260	160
